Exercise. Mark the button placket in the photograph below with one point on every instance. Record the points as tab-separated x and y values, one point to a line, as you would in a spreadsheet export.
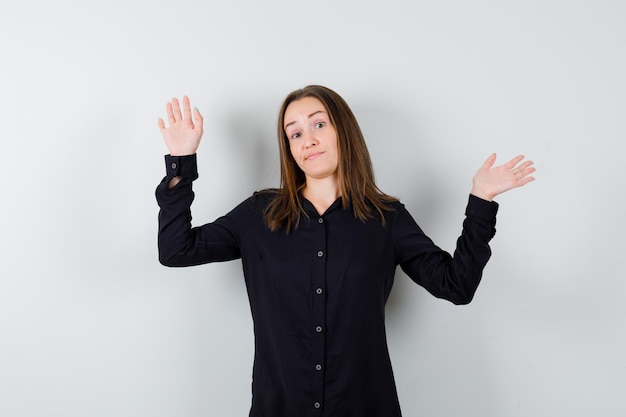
318	284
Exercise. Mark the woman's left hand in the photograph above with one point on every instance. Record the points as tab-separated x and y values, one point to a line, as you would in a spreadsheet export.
490	181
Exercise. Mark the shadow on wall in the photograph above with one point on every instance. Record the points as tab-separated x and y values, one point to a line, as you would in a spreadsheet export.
251	140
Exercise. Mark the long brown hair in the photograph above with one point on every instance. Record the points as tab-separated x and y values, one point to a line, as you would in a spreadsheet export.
354	171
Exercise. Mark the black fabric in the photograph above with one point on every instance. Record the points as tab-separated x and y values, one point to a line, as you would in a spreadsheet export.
318	294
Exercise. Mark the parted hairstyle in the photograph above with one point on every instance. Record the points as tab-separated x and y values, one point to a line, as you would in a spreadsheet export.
354	170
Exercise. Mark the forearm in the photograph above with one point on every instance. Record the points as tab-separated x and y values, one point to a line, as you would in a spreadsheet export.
174	233
455	278
179	243
175	196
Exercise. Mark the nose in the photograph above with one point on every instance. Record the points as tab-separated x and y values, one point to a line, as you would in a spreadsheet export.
310	139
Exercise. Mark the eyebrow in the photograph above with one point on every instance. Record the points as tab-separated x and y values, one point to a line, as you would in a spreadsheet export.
310	115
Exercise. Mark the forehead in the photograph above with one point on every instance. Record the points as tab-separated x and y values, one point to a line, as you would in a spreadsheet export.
303	108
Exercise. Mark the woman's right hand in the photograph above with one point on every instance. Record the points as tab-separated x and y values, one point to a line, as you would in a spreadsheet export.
183	134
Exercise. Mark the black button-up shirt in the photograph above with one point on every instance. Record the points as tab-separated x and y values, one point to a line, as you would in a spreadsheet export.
318	294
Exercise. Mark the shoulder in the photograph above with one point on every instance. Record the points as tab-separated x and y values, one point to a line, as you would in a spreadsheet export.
394	207
249	212
259	200
265	196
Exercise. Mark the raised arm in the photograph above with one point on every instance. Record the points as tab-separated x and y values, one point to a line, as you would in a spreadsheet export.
490	181
183	134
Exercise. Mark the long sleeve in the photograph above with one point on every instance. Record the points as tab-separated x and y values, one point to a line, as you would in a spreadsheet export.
454	278
317	295
179	243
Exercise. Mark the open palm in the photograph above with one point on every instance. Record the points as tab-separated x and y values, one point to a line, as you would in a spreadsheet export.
183	134
490	181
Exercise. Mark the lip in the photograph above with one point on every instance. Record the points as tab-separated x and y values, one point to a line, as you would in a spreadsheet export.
313	156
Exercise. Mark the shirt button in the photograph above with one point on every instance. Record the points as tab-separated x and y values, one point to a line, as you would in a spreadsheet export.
318	329
319	291
174	165
320	220
317	405
318	367
320	254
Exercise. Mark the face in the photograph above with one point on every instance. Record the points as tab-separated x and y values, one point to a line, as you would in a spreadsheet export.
312	138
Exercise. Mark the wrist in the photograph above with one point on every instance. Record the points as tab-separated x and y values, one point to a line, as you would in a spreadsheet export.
181	166
482	194
173	182
183	152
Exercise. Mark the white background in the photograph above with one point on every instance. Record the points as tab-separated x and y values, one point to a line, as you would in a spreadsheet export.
92	325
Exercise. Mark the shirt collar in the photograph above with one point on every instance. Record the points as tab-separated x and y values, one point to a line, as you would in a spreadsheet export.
308	206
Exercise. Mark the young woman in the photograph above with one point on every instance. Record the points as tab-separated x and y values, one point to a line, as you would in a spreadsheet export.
319	255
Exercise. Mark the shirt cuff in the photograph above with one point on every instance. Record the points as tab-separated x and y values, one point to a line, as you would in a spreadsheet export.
481	209
181	166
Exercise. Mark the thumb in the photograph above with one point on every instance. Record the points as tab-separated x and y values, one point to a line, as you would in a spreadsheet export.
489	161
199	121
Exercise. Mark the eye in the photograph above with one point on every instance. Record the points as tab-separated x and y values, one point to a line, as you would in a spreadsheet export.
319	125
294	135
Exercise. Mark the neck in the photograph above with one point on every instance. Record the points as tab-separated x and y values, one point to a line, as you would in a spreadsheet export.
322	193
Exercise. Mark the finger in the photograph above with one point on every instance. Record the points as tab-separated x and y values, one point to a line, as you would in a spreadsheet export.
528	171
161	124
520	168
170	113
186	108
198	120
176	109
525	181
511	164
524	169
489	161
523	177
526	164
527	168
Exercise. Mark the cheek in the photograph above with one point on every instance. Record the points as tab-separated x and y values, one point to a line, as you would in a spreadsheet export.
335	146
294	156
